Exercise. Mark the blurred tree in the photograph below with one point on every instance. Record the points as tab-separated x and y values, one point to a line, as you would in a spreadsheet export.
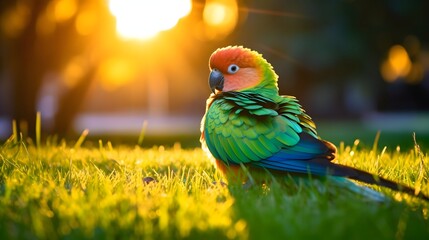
41	37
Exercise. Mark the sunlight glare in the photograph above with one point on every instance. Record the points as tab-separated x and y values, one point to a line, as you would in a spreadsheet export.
220	17
215	13
137	19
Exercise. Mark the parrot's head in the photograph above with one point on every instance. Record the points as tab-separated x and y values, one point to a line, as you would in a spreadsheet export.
241	69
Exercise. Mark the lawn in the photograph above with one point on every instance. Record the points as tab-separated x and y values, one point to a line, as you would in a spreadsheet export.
54	189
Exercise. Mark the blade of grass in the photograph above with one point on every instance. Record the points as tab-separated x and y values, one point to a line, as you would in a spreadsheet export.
38	129
142	133
81	138
23	129
375	145
419	180
14	131
100	145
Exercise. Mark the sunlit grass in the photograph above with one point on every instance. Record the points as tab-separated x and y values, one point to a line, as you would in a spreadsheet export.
67	190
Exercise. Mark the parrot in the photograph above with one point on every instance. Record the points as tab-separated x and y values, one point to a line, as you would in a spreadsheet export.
249	127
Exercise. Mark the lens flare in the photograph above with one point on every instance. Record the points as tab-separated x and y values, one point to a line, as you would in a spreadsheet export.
139	19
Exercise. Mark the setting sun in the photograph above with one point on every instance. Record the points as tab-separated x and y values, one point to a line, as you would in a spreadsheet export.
136	19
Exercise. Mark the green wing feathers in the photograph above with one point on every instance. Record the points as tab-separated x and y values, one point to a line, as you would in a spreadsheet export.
244	127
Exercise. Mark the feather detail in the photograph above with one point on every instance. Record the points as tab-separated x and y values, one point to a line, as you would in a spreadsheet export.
252	127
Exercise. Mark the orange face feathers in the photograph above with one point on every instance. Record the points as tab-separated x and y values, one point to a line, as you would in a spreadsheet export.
236	68
222	58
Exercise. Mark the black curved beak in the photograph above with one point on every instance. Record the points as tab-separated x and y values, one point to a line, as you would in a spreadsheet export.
216	80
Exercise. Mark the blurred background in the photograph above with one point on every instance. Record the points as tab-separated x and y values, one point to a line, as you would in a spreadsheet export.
116	66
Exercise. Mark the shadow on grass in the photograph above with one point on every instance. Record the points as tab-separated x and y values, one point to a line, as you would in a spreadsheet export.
292	211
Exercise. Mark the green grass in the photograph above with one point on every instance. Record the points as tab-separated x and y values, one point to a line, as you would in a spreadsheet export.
59	190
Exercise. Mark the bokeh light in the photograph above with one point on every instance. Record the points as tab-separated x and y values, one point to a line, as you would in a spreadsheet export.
73	71
116	71
137	19
85	22
14	19
220	18
64	9
397	65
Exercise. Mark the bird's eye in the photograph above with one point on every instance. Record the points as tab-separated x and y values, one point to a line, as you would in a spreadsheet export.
233	68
